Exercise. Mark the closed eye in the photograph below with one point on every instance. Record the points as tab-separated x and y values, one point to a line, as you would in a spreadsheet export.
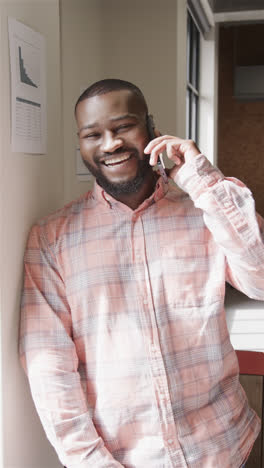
91	135
124	127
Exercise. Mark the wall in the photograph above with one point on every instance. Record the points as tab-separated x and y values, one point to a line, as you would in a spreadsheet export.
240	131
86	41
31	186
143	42
140	46
82	62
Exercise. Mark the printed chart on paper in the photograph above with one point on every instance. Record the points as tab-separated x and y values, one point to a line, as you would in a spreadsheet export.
28	89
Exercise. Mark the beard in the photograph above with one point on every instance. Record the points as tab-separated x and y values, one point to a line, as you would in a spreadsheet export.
116	189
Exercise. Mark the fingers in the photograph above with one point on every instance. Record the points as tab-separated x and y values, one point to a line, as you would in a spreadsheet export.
177	149
162	143
154	153
163	138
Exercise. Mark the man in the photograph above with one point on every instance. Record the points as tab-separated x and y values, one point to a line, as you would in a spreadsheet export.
123	330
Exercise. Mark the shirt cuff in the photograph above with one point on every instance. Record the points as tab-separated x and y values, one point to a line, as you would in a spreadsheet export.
197	175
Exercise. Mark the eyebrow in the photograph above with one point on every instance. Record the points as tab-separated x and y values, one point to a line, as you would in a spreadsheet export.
113	119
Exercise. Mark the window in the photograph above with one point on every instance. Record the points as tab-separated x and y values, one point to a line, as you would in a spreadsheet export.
192	96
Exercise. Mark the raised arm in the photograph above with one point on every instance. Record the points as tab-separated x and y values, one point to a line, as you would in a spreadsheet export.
228	210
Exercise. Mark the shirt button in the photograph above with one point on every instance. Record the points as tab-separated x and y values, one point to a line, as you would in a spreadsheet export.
170	441
227	204
145	301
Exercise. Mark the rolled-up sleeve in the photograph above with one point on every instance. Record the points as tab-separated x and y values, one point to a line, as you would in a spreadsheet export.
229	213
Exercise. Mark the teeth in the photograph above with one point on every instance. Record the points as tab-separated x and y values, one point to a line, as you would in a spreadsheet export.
116	160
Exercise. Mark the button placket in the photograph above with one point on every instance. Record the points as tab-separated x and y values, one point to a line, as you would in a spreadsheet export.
155	355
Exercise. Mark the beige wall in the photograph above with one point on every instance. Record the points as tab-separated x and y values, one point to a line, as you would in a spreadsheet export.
86	40
145	42
31	186
82	63
140	46
140	41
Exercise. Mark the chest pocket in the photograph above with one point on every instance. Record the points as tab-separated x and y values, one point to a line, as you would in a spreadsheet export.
186	270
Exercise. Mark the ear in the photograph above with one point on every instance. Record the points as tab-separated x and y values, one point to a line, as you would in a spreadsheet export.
152	130
157	132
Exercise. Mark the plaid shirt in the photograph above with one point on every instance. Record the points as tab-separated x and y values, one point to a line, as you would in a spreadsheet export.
123	330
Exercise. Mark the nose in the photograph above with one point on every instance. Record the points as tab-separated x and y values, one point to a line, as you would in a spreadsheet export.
111	142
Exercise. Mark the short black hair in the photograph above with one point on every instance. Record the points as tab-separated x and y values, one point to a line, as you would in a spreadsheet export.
110	84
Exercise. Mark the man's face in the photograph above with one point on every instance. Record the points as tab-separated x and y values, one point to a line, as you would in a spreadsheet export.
113	135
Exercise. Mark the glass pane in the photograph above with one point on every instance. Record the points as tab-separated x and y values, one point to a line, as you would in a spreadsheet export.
197	47
195	55
188	47
194	117
193	46
188	115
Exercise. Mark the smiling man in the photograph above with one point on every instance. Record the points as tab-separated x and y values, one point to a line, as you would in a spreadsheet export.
123	330
113	135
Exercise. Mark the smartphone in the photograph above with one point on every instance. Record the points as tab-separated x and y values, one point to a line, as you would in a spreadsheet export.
160	162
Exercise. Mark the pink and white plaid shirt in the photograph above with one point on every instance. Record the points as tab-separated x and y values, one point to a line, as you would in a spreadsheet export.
123	330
